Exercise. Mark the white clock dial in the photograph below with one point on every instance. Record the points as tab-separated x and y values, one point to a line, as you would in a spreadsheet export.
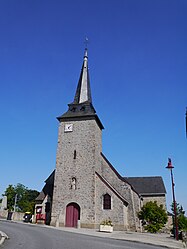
68	127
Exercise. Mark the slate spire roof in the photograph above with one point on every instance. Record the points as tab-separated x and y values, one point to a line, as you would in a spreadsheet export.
82	106
83	93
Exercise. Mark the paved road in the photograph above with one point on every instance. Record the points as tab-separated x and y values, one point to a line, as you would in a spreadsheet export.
28	236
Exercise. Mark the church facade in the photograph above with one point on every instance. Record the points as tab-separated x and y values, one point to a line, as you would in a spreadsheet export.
85	189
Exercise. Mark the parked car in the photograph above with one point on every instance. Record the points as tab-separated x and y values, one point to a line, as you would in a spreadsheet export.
27	217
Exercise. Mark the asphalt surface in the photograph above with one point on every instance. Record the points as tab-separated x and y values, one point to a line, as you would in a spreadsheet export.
28	236
31	236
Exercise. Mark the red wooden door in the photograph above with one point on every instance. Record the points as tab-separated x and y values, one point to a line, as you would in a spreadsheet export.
72	214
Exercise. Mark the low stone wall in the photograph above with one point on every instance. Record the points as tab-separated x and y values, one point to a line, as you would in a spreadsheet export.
17	216
3	214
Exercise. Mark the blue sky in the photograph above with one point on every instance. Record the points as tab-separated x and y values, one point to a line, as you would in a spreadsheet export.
137	61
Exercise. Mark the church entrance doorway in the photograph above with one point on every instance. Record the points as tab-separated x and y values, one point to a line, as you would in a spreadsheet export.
72	214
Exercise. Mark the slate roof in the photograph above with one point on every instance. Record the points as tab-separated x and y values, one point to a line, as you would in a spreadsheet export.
83	92
82	108
48	188
40	197
152	185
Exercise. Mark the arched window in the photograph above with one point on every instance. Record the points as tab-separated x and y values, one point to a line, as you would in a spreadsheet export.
73	183
106	201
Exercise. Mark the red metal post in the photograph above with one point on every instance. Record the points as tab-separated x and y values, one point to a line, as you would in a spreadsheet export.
186	122
175	208
170	167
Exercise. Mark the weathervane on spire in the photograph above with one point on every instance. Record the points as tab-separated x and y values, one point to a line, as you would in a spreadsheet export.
86	41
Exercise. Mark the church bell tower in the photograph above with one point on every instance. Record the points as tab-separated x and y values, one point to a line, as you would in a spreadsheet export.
78	155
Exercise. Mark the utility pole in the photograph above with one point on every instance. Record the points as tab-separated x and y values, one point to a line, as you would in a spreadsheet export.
15	202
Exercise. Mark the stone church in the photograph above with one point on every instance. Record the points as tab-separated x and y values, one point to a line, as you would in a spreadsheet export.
85	188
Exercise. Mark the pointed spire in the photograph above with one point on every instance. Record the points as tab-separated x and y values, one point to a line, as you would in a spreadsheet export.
83	92
82	107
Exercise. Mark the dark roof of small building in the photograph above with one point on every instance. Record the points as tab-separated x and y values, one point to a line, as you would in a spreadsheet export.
40	197
152	185
47	189
50	179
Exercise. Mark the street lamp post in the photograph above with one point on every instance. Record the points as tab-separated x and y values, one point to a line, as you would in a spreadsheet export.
170	167
186	122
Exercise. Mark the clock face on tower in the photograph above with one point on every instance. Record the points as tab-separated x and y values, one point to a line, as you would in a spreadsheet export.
68	127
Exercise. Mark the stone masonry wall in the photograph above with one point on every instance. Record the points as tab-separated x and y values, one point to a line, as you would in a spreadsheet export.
161	200
126	191
86	140
137	206
118	212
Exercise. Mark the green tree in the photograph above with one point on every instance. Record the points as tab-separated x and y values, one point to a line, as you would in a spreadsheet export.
25	198
179	209
181	218
153	217
27	202
10	193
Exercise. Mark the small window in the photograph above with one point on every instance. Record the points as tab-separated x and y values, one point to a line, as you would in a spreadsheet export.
73	109
82	108
73	183
106	201
75	154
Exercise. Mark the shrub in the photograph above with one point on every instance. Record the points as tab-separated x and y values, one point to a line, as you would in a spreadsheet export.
153	217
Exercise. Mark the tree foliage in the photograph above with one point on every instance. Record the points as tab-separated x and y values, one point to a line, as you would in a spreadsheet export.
181	218
23	197
10	193
179	209
153	217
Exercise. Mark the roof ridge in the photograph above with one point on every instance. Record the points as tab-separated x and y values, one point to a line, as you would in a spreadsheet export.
118	175
111	187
